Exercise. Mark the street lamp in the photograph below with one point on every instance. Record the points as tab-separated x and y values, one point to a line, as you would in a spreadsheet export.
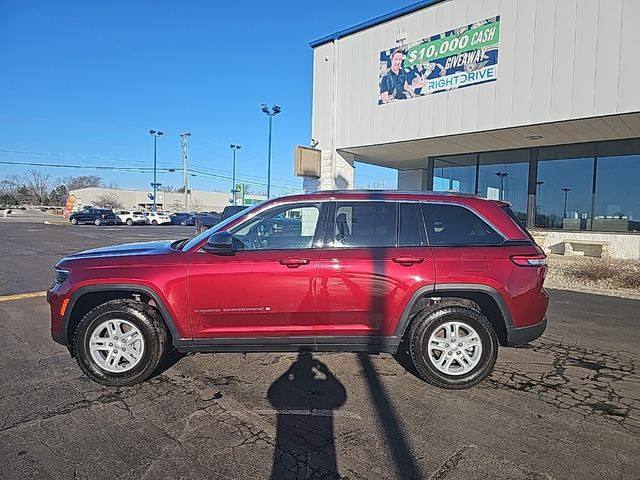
502	176
155	134
234	191
566	190
276	109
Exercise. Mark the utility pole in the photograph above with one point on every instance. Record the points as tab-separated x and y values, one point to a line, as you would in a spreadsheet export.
184	137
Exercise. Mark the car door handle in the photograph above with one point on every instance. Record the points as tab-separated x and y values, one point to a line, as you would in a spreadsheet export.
408	260
294	262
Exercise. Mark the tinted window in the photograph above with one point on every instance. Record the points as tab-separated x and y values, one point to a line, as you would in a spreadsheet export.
365	224
410	221
455	225
286	227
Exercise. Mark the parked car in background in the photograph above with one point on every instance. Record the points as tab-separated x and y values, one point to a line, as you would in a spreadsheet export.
97	216
157	218
205	221
183	218
130	218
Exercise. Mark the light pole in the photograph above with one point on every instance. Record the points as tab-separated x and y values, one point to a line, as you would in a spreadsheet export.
502	176
184	138
276	109
566	190
155	134
233	184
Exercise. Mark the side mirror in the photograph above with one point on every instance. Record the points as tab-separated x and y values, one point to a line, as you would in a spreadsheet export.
220	243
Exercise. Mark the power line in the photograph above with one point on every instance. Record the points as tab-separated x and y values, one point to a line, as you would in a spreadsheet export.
168	165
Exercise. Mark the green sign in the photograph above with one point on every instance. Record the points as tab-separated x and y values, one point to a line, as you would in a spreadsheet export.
472	39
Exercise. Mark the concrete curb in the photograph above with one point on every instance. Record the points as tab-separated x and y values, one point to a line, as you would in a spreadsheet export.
594	291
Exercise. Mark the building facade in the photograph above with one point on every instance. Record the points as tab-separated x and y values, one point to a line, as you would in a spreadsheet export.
138	200
535	102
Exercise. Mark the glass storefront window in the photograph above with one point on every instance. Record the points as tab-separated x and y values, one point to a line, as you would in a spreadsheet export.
504	176
455	173
617	201
565	184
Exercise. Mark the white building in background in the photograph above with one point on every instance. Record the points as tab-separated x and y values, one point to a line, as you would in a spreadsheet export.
536	102
167	201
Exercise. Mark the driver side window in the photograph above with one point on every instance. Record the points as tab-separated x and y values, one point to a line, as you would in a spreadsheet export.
280	228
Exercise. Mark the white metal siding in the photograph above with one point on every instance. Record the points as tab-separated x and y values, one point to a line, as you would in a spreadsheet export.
558	60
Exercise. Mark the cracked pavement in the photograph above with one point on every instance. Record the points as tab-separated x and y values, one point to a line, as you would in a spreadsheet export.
566	406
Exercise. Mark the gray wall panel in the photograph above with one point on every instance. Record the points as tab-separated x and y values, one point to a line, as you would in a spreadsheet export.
558	60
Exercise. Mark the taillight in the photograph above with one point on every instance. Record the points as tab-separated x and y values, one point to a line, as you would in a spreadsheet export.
529	260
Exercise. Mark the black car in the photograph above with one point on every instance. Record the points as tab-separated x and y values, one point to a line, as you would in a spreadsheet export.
183	218
97	216
205	221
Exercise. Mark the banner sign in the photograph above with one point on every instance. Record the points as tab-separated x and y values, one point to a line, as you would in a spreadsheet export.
454	59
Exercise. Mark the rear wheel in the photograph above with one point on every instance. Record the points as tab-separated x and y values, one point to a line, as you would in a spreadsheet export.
452	347
129	222
154	223
97	222
120	343
183	223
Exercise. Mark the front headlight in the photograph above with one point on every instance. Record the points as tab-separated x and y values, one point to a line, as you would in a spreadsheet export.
61	275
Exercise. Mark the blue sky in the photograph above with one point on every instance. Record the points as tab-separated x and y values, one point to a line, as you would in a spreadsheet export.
83	82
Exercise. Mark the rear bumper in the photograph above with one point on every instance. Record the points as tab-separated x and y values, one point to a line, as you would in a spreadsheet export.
522	335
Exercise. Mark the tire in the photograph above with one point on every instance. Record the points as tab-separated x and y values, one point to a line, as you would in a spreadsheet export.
74	221
97	222
129	222
150	340
429	340
183	223
154	223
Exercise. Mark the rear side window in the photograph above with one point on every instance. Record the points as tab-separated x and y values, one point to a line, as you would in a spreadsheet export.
365	224
454	225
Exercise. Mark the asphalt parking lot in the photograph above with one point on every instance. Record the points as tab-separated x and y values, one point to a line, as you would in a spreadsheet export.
567	406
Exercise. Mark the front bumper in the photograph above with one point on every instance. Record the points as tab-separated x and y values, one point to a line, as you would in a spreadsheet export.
522	335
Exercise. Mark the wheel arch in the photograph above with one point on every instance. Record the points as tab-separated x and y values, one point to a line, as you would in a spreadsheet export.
489	301
88	297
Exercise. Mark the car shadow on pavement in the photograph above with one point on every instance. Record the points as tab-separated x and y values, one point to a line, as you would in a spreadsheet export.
305	397
172	357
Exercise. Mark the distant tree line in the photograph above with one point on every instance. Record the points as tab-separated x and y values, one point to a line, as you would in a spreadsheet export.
37	188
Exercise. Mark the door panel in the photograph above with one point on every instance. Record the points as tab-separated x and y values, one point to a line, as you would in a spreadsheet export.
363	291
252	294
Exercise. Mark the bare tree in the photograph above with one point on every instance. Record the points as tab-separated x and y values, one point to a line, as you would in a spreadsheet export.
108	200
177	205
197	205
38	185
82	181
114	186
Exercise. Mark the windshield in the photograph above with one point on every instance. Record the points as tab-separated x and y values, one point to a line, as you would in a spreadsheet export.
220	226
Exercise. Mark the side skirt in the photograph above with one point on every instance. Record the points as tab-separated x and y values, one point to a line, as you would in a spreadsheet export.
291	344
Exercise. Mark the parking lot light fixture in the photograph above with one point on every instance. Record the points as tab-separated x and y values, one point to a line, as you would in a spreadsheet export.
276	109
234	191
155	134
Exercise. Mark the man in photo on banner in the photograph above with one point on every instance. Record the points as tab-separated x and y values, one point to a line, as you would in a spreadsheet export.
393	85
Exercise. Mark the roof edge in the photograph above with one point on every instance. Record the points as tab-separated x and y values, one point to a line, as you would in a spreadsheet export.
374	21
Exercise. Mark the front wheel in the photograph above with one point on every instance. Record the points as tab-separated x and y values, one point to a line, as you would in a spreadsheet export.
97	222
453	347
154	223
129	222
74	221
120	343
183	223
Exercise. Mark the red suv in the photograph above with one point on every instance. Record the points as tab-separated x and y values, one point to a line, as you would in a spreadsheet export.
442	277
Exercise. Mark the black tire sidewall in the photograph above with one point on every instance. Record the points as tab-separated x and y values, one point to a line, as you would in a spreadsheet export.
144	320
427	323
